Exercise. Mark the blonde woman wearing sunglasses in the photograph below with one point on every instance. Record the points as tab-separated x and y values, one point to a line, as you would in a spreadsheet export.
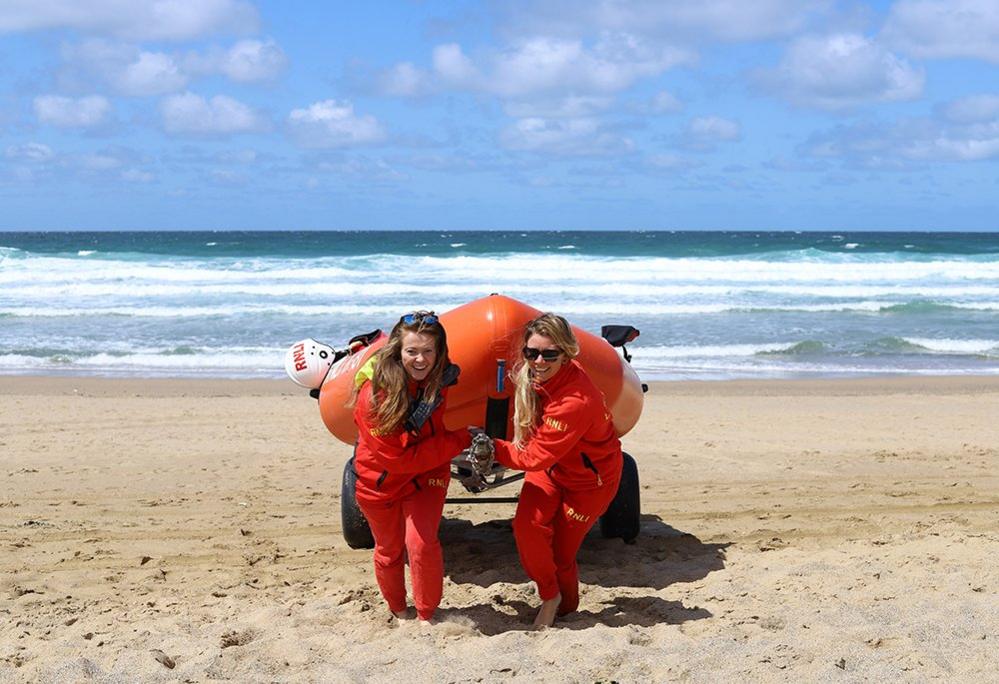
402	458
565	440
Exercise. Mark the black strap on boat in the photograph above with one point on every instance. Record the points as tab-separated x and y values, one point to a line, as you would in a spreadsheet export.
618	336
497	416
421	409
365	338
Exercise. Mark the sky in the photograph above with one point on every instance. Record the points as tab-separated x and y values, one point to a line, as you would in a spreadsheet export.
548	114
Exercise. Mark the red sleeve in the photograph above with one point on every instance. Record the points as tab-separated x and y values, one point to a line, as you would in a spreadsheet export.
400	452
563	425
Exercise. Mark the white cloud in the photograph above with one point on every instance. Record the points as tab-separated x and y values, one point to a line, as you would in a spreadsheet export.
243	157
973	109
69	112
683	20
563	137
669	162
131	19
134	72
841	71
370	170
541	66
125	68
98	161
152	73
245	62
229	177
137	176
910	141
98	55
254	60
453	67
221	115
544	65
30	152
329	124
404	80
570	107
664	103
33	160
702	133
957	149
713	128
944	28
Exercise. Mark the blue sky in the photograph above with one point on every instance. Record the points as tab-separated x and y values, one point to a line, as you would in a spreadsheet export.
549	114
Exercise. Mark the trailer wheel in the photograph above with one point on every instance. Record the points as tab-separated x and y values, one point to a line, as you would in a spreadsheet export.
355	526
622	518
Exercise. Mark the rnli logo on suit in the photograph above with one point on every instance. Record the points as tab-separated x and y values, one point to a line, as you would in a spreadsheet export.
556	425
573	514
437	482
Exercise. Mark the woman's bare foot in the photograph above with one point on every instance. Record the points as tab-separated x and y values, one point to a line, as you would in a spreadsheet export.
547	612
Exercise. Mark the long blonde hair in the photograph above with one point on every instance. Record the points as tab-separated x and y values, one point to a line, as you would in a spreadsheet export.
389	394
526	409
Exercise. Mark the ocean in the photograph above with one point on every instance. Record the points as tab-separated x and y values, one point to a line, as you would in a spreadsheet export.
709	305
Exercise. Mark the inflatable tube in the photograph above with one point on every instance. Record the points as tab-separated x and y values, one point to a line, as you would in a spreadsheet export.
484	338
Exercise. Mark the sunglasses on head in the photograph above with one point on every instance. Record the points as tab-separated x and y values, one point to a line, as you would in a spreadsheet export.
426	317
531	354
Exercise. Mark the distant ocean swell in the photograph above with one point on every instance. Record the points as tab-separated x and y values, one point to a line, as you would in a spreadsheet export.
754	306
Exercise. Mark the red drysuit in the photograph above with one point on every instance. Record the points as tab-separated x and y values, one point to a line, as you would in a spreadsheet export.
574	466
402	481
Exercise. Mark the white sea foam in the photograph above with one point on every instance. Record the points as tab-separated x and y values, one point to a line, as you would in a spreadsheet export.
650	354
652	362
724	361
719	308
255	361
698	370
950	346
252	285
388	309
555	268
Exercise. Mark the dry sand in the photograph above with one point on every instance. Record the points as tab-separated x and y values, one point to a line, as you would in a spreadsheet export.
795	531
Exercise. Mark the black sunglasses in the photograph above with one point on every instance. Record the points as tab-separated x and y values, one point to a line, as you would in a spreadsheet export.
426	317
531	354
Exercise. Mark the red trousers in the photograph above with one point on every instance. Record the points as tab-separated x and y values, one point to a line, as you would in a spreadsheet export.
408	527
549	527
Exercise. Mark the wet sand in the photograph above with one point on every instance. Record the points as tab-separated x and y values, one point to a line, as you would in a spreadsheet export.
792	530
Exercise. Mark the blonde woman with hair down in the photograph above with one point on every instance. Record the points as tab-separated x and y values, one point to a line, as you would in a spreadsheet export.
565	440
403	458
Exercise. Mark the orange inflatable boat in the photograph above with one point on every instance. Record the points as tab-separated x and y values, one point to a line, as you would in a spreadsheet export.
484	339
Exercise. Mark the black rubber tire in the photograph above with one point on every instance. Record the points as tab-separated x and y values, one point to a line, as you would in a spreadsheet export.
623	516
355	526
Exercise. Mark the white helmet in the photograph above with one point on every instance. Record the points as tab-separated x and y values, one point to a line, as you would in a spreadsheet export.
307	362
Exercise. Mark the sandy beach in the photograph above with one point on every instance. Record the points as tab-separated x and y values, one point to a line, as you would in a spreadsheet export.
169	530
